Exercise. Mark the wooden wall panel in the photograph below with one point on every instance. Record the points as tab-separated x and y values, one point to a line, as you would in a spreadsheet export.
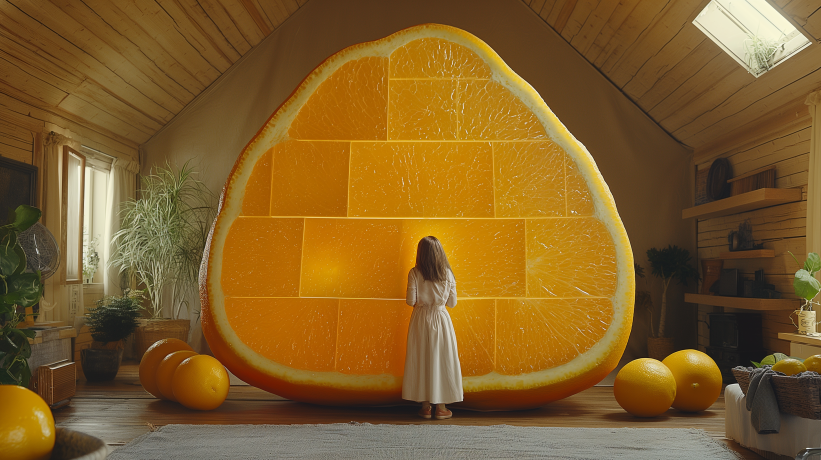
781	228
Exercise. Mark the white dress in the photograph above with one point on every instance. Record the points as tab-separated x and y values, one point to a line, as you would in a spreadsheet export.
432	370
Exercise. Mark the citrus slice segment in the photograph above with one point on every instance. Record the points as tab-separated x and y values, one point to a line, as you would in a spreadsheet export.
425	132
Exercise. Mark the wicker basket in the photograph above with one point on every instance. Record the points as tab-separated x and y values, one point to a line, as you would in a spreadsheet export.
799	396
158	329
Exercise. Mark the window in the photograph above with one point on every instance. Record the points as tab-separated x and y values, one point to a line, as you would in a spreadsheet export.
73	176
752	32
98	166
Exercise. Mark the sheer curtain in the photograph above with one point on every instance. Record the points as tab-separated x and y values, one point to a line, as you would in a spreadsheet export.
122	186
814	179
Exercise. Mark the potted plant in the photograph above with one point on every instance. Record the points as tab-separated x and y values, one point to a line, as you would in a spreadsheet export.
669	264
160	242
111	321
18	290
806	287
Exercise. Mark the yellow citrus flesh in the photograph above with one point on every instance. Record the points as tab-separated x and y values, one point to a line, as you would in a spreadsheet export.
789	366
425	132
26	425
698	380
166	369
151	361
200	382
813	363
645	387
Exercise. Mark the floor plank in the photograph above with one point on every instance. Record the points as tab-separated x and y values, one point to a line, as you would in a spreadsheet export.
121	410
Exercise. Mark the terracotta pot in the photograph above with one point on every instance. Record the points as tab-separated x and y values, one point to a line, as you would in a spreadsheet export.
711	272
660	347
152	330
100	365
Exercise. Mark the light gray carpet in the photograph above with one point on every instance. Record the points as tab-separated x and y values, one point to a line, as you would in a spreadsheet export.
417	442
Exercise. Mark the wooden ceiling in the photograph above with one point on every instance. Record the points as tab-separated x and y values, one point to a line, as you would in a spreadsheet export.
126	68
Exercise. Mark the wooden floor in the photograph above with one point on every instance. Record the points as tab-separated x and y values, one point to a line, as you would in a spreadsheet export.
121	410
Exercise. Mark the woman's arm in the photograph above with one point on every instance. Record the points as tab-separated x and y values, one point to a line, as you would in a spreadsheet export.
410	298
451	302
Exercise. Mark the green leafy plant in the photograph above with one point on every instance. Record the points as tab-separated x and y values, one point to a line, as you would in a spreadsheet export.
670	263
804	283
759	51
17	289
770	360
114	318
163	235
91	258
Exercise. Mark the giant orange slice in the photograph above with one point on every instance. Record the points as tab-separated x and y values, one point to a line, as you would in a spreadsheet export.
425	132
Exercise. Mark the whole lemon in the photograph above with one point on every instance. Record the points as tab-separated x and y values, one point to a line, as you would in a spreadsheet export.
645	387
26	425
813	363
698	380
200	382
789	366
166	369
151	361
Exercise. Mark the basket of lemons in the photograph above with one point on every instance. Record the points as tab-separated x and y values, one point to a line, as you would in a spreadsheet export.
797	385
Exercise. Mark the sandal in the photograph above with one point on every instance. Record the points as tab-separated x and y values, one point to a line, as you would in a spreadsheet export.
425	413
444	415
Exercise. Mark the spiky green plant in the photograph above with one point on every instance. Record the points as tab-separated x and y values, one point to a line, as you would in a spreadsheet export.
114	318
759	51
163	236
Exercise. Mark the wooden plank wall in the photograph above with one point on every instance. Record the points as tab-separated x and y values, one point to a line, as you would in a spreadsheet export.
782	228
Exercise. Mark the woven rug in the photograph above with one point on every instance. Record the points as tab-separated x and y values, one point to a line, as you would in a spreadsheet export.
366	441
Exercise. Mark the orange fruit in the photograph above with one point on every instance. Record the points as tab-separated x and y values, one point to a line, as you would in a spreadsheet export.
698	380
789	366
151	361
166	369
813	363
200	382
645	387
425	132
26	425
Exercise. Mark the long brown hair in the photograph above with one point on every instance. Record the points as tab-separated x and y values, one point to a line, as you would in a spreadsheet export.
431	260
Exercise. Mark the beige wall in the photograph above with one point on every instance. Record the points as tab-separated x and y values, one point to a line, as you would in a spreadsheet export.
648	172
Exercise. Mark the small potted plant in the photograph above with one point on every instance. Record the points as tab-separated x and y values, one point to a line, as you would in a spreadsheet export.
112	320
806	287
670	263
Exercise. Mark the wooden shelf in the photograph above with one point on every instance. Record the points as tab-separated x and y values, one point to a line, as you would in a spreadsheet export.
800	338
760	198
745	303
752	254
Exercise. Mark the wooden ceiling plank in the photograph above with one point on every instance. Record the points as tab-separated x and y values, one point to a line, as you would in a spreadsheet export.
633	26
129	50
34	65
657	67
200	28
187	46
102	99
692	87
547	7
272	11
555	10
731	115
802	9
290	6
564	15
601	41
578	17
793	78
594	25
75	105
535	5
28	30
242	18
226	25
667	25
258	17
813	25
20	81
702	97
692	63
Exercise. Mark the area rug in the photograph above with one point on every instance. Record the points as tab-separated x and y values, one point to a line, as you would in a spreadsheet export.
366	441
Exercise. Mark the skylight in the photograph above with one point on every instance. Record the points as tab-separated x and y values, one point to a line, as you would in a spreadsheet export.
752	32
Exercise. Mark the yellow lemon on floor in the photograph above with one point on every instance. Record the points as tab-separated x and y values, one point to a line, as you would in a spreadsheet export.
151	361
813	363
166	369
698	380
789	366
645	387
200	382
26	425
